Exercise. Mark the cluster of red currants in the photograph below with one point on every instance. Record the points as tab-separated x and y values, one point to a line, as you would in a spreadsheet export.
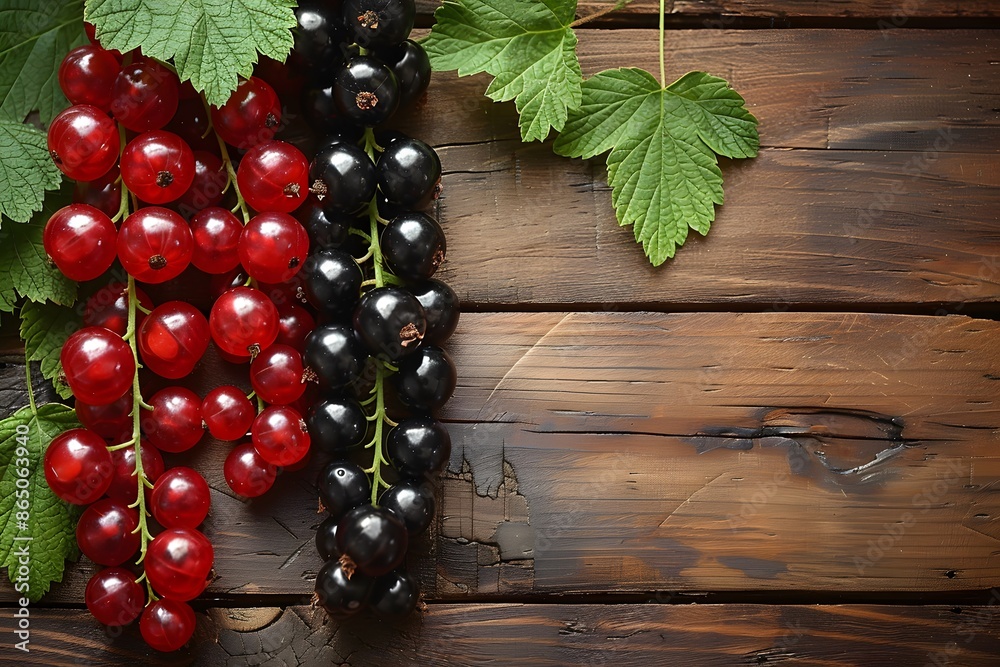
151	176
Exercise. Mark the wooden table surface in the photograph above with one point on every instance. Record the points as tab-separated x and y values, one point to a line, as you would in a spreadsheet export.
781	446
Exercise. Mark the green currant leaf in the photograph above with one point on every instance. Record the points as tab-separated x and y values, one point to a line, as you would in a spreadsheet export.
36	527
527	45
210	41
662	169
35	35
45	326
26	170
25	269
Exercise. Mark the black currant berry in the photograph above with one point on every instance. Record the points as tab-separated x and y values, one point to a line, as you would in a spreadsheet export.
414	245
441	306
412	67
365	91
394	595
340	593
332	281
426	379
319	32
335	354
373	539
343	178
342	486
325	232
418	446
409	173
326	538
336	424
413	502
390	322
377	23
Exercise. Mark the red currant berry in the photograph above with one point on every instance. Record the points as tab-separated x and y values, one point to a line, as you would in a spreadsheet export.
80	239
178	561
221	283
106	534
83	142
92	36
280	435
191	122
284	293
78	466
98	365
144	96
173	338
109	421
243	321
227	412
273	247
124	482
295	324
174	425
108	308
87	74
114	597
216	240
104	193
208	187
274	176
276	374
155	244
157	166
180	498
250	116
246	473
166	625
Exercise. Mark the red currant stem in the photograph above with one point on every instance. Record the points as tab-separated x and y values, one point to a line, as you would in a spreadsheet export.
138	405
241	204
123	205
31	391
260	405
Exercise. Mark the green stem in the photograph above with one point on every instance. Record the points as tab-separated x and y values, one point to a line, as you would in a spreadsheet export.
381	420
598	14
241	204
663	69
382	369
31	391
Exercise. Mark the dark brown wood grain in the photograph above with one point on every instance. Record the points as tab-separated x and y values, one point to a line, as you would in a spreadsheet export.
573	634
830	89
895	11
632	452
880	185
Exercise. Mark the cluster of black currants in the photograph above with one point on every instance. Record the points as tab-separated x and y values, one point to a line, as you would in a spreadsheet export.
375	351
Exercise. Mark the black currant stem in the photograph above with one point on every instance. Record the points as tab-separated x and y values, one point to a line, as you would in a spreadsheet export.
381	420
382	369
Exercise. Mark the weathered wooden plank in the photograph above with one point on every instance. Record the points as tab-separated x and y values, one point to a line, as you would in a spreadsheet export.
799	227
831	89
610	452
897	12
848	223
488	634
